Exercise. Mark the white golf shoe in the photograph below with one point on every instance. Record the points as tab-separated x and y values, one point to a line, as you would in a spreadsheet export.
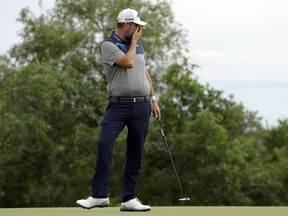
134	205
92	202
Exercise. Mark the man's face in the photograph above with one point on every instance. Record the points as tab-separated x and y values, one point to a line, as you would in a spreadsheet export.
131	28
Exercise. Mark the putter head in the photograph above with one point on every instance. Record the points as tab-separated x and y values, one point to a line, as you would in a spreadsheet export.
184	199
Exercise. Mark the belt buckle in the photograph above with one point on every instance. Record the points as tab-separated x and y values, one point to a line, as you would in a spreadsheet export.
136	99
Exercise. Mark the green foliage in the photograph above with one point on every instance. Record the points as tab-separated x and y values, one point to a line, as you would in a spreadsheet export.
43	117
53	97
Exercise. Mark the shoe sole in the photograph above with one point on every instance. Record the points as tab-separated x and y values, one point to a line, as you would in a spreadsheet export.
100	206
130	210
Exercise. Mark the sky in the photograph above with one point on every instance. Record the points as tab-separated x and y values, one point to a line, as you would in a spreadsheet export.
240	46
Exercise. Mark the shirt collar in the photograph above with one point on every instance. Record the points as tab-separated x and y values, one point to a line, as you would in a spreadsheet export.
115	36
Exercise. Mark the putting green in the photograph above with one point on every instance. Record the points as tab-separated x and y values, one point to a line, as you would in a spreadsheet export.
156	211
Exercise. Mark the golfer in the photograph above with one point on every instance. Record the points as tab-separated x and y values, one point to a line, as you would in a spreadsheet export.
132	99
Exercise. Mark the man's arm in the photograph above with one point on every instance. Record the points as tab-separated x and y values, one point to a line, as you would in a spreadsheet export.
155	107
127	60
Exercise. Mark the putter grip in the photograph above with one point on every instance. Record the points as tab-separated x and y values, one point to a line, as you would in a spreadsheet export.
162	132
160	127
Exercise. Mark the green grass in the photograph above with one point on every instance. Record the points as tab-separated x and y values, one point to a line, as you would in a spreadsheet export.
156	211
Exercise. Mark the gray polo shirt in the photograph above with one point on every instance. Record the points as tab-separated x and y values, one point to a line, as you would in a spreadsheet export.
123	81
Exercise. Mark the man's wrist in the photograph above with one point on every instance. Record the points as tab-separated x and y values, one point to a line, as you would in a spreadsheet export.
153	98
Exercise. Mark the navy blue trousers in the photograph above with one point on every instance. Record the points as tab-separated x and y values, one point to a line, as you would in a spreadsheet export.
118	115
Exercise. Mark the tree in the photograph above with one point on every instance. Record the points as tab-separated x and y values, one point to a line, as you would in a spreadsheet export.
53	96
208	146
275	159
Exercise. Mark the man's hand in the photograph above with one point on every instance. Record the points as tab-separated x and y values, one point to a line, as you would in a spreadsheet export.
127	60
137	34
155	109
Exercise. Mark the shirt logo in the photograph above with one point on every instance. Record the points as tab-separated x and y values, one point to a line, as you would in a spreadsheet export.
119	44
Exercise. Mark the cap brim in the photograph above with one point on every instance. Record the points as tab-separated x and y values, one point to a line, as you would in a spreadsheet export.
142	23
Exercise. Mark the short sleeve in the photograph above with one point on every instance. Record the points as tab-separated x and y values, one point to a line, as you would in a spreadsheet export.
110	53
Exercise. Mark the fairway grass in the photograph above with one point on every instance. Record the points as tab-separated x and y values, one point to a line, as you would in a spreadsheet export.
156	211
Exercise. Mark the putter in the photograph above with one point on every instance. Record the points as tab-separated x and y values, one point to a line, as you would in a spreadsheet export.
171	159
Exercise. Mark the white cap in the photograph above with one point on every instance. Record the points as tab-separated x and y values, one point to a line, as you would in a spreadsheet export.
130	15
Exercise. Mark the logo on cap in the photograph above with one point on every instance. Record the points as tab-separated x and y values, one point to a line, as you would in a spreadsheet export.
129	15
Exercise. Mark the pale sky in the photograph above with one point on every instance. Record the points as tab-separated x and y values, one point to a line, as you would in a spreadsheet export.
241	47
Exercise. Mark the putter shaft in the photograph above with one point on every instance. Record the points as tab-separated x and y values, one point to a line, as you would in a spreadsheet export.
171	159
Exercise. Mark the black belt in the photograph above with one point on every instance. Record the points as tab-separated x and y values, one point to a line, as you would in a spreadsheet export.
130	99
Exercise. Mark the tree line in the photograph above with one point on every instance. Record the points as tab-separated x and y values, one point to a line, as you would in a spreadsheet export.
53	97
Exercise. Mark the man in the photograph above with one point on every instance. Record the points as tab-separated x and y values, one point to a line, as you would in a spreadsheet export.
132	99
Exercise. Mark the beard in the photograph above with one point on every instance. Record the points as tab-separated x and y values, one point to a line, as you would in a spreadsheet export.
128	35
